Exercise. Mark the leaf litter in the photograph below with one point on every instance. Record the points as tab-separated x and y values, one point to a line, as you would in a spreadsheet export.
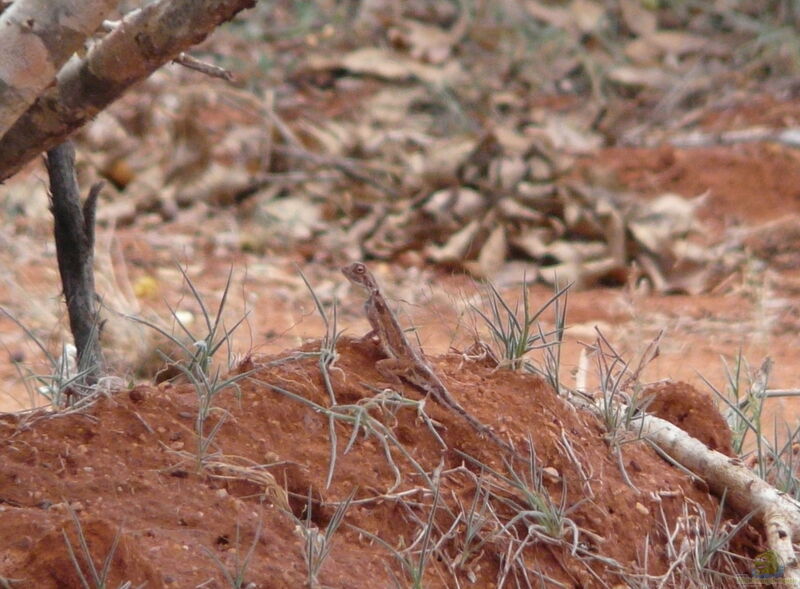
440	132
430	146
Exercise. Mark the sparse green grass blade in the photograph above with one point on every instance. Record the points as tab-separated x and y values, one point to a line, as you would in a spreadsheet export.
31	336
327	353
236	576
414	565
358	415
516	332
326	360
475	520
197	361
545	517
782	461
63	376
427	534
744	402
744	405
317	546
92	578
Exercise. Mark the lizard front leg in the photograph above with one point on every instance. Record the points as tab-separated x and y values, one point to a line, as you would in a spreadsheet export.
394	369
401	370
371	335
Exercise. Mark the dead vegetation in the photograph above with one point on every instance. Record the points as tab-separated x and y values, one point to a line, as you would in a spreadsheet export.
462	136
405	157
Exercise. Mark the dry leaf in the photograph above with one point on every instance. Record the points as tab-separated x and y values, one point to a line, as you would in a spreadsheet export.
678	43
614	230
583	275
511	210
640	77
638	19
576	251
567	135
659	222
427	42
515	272
391	65
533	241
395	233
334	138
507	172
443	158
642	52
540	169
512	142
293	218
218	184
391	106
493	252
457	246
588	16
535	194
459	202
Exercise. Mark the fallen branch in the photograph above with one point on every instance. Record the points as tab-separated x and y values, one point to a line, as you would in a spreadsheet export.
209	69
789	137
743	490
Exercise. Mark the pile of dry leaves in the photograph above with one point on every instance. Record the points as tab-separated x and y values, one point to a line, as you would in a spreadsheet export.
441	132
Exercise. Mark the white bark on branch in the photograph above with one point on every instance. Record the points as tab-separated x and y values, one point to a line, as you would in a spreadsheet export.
36	38
146	40
744	491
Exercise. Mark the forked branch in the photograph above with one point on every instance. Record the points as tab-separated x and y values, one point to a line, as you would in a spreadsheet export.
74	236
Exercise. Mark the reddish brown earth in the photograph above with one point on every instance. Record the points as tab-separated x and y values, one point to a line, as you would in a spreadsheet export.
125	465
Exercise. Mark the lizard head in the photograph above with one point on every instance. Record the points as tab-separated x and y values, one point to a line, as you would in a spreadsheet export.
358	274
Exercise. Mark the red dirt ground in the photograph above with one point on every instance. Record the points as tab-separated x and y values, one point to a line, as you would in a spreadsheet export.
119	467
125	465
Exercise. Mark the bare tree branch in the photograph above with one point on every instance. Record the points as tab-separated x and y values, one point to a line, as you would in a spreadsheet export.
36	38
147	39
74	233
184	59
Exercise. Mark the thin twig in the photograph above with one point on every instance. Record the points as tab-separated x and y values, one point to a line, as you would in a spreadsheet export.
209	69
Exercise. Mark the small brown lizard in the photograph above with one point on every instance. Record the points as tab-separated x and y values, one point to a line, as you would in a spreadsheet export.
403	361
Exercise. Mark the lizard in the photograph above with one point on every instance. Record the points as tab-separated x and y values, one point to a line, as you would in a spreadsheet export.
402	360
